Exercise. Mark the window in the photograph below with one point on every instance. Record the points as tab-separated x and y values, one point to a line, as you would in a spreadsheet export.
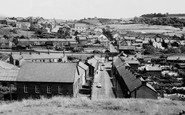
59	89
25	89
36	89
49	89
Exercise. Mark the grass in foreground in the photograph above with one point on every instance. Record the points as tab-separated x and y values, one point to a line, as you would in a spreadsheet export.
66	106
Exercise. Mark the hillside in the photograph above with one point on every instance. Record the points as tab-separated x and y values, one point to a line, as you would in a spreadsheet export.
59	105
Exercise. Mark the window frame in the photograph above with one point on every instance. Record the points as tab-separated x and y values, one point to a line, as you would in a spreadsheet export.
25	89
59	89
37	90
49	89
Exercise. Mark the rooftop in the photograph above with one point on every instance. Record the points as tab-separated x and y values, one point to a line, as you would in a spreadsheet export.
47	72
130	79
5	65
8	75
126	47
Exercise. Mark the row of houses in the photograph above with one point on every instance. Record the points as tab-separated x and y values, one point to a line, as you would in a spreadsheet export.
47	79
128	84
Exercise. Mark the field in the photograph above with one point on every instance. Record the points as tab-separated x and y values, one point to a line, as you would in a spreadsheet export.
67	106
144	28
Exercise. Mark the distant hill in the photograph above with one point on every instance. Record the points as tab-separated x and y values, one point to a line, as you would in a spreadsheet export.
154	15
99	21
175	20
60	105
176	15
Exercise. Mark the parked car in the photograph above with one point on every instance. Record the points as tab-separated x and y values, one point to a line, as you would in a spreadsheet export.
99	85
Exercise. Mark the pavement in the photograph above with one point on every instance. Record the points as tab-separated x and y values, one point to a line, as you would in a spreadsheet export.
103	78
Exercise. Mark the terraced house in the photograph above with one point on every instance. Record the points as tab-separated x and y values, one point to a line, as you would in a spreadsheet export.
49	79
129	85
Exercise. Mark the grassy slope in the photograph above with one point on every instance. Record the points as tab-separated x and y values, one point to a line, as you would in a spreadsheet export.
145	28
58	105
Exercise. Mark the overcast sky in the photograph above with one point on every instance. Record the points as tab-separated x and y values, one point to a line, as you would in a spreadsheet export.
77	9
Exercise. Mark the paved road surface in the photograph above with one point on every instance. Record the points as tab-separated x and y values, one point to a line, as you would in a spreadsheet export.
105	91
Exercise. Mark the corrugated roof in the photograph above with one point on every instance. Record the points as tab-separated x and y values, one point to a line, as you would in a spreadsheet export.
8	75
47	72
5	65
130	79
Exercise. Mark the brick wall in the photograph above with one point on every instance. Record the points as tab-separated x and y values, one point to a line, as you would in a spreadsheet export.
66	89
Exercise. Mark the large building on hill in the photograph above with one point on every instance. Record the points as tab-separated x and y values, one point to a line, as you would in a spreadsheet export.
81	27
50	79
129	85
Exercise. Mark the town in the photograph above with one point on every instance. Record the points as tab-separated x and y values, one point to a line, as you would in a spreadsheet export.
89	58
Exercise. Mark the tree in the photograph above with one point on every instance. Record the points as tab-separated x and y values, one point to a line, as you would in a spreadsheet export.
15	41
97	42
182	48
165	45
172	50
108	34
63	32
150	42
150	50
175	44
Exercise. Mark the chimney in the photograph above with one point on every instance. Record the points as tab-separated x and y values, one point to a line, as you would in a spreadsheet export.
77	68
144	82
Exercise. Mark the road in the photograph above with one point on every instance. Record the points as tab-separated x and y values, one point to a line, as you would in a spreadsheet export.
103	78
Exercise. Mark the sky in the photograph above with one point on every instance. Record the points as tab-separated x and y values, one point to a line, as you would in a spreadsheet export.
78	9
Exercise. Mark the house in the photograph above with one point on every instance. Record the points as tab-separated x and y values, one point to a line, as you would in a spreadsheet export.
7	66
127	49
11	22
145	91
8	76
175	59
3	21
48	79
81	27
5	43
84	68
93	64
25	42
82	39
104	40
152	70
39	57
132	39
23	25
132	61
129	85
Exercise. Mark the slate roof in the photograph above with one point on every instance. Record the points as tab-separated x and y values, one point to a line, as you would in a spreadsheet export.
117	62
4	65
8	75
47	72
130	79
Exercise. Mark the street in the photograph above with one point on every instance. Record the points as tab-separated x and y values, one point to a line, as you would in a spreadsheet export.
105	91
